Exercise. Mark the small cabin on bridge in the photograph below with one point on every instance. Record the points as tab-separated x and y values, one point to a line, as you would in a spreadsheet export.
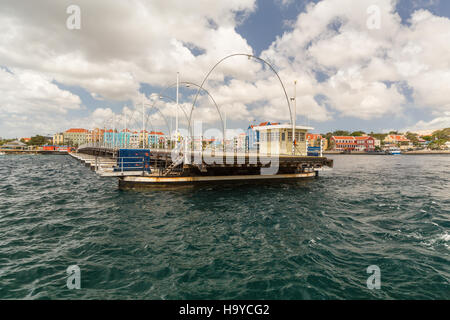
277	139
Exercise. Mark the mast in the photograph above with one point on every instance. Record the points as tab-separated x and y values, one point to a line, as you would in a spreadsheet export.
294	116
143	123
125	133
176	119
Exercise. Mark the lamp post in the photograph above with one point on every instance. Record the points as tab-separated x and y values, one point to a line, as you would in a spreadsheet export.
294	116
143	123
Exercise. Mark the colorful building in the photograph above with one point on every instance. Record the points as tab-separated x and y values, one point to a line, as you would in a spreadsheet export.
58	139
343	143
365	143
316	140
252	136
240	142
156	139
350	143
75	136
397	139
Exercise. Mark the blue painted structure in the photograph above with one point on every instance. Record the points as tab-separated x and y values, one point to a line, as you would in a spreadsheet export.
313	151
133	160
251	139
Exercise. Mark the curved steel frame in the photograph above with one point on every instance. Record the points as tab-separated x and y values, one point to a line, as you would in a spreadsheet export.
196	96
249	56
154	106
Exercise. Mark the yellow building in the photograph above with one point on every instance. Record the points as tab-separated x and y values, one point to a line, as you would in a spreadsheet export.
277	139
316	140
58	139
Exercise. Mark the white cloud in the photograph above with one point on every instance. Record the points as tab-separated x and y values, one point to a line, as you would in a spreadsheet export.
437	123
123	43
31	102
333	37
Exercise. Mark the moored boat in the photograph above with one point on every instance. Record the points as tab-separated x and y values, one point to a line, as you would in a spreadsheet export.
393	151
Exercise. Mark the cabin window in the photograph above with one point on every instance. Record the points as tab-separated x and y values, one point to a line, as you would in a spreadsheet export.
302	136
275	136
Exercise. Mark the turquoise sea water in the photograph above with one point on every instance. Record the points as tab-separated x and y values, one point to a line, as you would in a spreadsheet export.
307	240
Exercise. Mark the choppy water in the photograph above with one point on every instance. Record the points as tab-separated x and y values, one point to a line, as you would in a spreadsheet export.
306	240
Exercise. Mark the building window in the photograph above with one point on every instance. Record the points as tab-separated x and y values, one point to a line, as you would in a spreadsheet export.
283	136
302	136
275	136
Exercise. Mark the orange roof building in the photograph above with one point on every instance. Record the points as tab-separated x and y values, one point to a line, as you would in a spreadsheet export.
395	138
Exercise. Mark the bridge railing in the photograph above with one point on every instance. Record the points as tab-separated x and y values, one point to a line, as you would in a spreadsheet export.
132	164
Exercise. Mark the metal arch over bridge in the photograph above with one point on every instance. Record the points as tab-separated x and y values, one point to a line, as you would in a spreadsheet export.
249	56
200	88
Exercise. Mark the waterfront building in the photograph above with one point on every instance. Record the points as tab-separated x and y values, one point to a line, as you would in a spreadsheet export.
252	136
365	143
123	138
377	143
134	139
58	139
110	137
143	137
397	139
350	143
240	142
96	135
315	140
343	143
156	139
277	139
75	136
14	145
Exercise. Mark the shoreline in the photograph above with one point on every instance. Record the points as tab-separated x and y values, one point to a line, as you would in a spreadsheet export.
9	151
420	152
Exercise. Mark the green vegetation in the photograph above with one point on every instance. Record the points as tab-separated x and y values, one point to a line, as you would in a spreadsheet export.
442	134
438	138
36	141
413	137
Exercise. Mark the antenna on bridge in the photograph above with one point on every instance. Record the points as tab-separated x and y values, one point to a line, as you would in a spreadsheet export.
176	119
143	123
125	134
294	117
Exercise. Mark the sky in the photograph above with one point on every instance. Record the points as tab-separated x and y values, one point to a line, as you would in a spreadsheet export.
371	65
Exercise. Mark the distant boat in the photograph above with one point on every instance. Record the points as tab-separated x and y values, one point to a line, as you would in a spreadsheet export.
2	153
393	151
